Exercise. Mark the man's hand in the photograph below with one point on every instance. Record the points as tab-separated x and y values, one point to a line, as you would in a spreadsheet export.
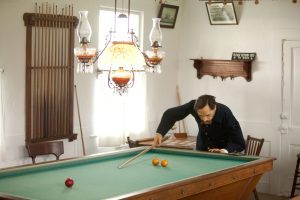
215	150
157	139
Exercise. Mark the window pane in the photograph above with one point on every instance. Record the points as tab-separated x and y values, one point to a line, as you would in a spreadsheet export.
107	21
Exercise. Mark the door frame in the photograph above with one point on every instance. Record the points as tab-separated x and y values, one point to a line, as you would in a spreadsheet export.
288	149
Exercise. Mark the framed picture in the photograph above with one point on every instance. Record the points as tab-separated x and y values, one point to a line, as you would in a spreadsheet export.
221	14
168	15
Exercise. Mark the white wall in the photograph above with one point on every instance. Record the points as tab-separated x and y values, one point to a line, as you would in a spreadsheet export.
12	59
256	104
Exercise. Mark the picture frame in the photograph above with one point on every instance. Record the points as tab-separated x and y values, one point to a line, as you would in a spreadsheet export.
168	15
221	14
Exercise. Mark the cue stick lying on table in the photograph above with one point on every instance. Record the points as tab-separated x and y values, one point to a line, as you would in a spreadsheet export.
141	153
137	156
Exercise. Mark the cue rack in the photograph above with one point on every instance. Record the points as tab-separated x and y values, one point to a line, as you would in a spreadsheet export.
49	73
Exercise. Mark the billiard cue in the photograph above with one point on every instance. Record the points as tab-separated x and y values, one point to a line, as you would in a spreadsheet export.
179	103
137	156
82	143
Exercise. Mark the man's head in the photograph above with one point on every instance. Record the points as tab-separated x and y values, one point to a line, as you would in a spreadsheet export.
205	106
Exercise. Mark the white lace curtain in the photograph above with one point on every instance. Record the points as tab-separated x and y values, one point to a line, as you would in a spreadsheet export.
117	117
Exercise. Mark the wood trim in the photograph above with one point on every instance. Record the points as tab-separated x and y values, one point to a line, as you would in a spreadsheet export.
49	20
241	180
223	68
49	73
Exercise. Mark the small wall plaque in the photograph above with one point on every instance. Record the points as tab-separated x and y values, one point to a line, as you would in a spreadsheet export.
243	56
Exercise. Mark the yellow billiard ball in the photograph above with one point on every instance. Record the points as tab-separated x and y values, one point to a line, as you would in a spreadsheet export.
155	161
164	163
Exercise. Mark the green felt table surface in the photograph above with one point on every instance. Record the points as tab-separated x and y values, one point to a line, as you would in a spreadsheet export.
98	177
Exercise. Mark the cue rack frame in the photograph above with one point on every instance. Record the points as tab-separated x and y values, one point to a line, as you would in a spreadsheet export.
49	88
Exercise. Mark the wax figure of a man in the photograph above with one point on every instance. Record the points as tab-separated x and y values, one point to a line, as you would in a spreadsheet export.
219	131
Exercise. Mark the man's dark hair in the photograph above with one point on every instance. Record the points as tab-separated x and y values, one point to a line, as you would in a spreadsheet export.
204	100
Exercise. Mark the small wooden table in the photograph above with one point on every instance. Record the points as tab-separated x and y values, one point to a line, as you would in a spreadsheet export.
172	142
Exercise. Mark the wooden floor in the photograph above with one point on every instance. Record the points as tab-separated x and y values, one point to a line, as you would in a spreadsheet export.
263	196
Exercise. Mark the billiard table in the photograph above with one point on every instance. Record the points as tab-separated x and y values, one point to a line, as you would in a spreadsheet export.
188	175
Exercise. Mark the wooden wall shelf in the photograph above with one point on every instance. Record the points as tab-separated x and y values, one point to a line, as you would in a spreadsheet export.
223	68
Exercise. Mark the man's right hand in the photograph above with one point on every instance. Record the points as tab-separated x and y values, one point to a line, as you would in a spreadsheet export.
157	139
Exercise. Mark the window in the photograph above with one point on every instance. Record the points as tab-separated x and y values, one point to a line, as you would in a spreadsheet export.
106	23
115	116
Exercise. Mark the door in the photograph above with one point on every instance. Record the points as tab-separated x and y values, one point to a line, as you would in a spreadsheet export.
290	116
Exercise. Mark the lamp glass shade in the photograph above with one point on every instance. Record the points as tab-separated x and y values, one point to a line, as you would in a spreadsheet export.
155	35
121	77
122	53
155	56
84	30
85	54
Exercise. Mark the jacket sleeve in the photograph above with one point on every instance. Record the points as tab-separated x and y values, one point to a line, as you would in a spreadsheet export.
173	115
236	141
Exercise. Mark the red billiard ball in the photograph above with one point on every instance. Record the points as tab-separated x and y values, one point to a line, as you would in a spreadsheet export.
69	182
